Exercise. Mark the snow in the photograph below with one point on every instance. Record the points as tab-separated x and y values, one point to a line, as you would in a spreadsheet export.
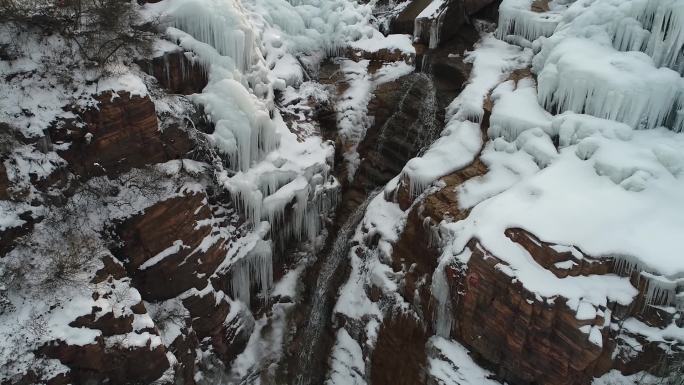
127	82
506	165
516	110
37	88
456	148
287	285
385	220
533	204
565	265
461	140
614	377
171	250
450	364
492	61
585	311
9	217
578	178
392	42
670	333
346	362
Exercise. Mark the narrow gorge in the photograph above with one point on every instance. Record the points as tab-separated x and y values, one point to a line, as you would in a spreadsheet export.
342	192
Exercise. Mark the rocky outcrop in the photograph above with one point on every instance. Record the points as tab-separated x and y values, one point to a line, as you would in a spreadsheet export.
210	320
167	250
120	134
519	336
440	25
99	363
525	339
10	235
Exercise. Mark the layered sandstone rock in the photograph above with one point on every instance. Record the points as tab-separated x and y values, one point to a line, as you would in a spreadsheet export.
163	247
99	362
526	339
120	134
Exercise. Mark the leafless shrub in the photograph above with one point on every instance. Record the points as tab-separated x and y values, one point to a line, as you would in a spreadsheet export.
671	369
37	325
68	254
100	29
164	316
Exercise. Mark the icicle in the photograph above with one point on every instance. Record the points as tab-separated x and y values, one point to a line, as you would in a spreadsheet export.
442	296
677	117
516	18
226	30
584	77
626	265
630	36
184	71
246	197
659	290
167	70
255	268
667	35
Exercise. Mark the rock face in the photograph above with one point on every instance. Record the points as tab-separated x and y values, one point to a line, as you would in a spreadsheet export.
120	134
4	183
163	249
525	339
399	356
97	363
211	324
402	120
172	250
176	73
440	25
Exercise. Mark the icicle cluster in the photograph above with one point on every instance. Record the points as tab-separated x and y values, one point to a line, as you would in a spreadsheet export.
582	76
433	16
660	291
664	19
228	32
295	210
442	295
516	18
255	268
